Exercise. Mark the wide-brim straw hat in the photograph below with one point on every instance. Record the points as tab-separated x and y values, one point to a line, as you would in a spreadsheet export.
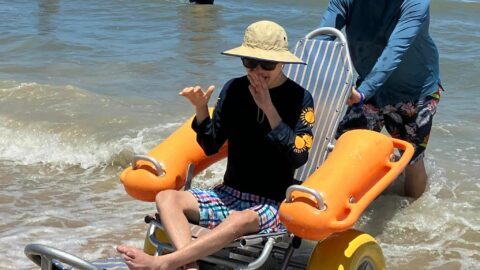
265	40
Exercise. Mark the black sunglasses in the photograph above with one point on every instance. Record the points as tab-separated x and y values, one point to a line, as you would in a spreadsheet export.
253	63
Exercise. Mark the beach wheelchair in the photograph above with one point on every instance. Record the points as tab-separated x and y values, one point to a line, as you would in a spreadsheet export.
341	178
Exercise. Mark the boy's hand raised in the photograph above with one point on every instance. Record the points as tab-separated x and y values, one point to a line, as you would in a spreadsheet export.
197	96
199	100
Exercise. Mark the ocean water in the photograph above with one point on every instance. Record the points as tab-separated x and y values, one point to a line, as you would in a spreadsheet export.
86	84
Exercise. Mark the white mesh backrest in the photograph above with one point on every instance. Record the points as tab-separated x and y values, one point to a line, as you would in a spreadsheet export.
328	77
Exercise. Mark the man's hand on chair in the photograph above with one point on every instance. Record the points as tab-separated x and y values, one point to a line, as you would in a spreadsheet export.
355	97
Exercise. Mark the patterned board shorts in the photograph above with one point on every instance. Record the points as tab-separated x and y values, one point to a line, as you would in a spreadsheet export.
410	121
217	203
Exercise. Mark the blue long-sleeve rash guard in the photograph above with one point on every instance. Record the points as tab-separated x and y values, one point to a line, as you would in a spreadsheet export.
390	47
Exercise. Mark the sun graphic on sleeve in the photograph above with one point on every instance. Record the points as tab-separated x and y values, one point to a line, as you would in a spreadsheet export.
303	143
308	116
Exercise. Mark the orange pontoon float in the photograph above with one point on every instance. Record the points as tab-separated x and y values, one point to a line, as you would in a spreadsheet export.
335	195
164	168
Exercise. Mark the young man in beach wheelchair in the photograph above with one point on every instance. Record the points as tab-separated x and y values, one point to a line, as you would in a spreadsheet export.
334	191
267	120
327	204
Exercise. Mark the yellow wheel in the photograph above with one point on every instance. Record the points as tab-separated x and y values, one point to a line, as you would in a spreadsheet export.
161	236
349	250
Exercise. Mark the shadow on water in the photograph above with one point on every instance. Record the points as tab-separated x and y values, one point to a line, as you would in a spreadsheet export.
46	10
198	28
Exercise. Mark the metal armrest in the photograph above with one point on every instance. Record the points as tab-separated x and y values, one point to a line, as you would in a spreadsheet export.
43	256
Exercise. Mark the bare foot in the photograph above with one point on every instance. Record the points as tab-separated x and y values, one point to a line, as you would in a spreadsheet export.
138	260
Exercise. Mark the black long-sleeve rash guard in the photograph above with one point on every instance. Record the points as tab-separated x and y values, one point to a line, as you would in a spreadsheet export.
261	161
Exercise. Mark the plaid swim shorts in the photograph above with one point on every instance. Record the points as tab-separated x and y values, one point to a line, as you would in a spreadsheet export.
409	121
217	203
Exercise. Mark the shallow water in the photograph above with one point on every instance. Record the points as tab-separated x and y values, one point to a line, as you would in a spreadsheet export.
85	84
